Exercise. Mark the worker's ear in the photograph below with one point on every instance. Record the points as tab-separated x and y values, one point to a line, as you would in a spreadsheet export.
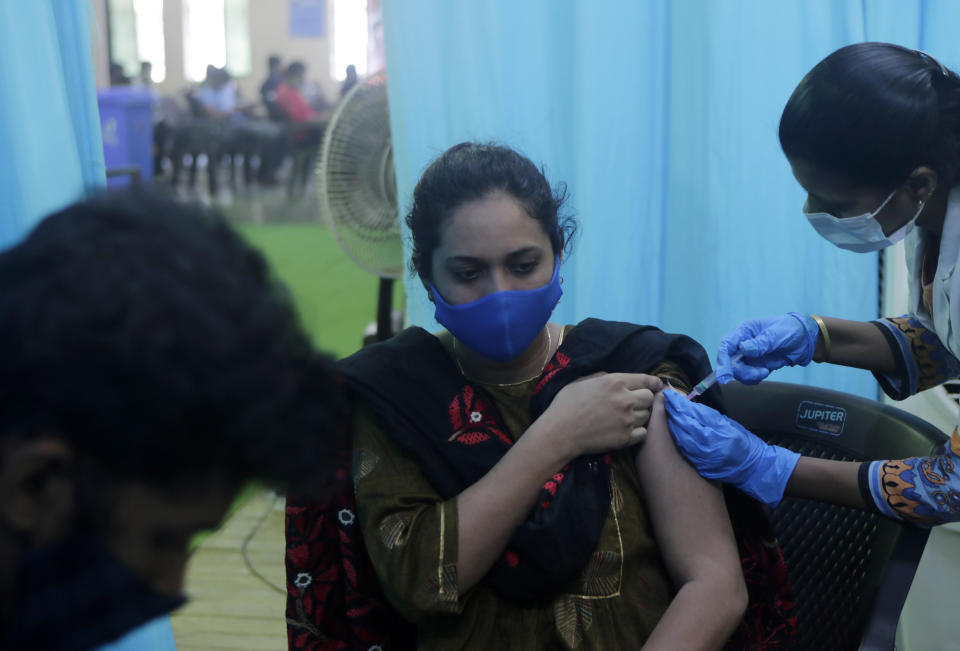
37	490
921	184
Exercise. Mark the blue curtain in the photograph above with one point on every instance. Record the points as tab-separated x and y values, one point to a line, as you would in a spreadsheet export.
50	148
661	117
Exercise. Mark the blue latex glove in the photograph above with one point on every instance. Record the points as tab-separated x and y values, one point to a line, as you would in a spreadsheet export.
720	448
766	345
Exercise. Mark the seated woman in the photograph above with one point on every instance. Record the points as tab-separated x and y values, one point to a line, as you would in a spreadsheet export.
500	492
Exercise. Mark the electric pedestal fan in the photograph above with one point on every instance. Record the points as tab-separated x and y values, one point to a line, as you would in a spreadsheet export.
358	189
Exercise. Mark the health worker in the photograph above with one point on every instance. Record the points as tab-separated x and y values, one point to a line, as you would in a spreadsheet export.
872	133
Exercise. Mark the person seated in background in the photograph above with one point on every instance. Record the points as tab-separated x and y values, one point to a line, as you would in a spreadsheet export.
117	76
312	93
268	90
145	78
151	366
219	96
515	481
295	107
221	100
305	122
349	81
162	121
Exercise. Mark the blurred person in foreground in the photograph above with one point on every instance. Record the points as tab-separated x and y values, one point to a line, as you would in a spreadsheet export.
151	367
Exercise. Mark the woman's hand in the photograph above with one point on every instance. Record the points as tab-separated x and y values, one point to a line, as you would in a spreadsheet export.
601	412
594	414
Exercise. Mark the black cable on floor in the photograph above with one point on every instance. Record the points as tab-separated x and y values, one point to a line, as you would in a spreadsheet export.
246	541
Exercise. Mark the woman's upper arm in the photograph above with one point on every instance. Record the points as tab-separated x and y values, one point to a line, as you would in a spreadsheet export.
688	513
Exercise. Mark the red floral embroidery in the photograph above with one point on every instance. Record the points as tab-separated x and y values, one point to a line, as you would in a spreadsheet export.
770	620
511	557
556	364
333	598
550	487
472	438
472	419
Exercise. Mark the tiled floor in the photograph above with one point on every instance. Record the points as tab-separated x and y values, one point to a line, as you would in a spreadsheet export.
230	607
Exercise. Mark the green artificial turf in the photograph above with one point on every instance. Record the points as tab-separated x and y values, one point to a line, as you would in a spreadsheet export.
336	298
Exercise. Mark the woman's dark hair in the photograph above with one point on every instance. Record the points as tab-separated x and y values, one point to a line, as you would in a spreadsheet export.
154	339
471	171
872	112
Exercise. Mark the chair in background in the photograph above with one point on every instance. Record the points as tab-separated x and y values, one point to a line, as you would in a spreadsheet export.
851	570
198	134
305	145
302	145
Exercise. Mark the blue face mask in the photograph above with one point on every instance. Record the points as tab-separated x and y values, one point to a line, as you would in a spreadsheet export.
501	325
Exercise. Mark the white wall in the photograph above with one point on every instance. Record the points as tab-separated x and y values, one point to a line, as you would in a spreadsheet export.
98	40
269	34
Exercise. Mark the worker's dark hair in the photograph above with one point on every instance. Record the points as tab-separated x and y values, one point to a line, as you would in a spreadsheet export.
871	113
154	340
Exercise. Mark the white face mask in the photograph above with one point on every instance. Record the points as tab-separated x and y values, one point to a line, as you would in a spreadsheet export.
862	233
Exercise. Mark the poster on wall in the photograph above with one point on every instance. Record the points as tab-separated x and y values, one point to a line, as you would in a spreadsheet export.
308	17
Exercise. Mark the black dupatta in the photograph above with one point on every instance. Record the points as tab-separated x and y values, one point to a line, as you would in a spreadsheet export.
452	428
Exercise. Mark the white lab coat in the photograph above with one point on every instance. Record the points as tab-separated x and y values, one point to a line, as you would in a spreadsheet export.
946	293
928	620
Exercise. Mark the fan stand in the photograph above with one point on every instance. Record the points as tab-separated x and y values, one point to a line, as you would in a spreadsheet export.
384	324
384	307
358	193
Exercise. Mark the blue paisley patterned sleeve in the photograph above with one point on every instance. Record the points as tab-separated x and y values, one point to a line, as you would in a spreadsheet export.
922	361
921	490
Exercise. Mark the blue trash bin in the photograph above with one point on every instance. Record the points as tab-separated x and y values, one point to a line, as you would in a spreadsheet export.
126	123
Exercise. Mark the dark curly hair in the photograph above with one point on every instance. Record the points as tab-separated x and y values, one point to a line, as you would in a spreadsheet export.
471	171
873	112
150	336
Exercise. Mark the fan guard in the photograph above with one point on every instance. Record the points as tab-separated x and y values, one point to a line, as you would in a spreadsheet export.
357	185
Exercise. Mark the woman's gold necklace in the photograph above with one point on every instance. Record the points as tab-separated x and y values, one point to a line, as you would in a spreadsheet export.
456	358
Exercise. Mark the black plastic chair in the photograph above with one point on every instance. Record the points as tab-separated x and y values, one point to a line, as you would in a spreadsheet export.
851	570
195	135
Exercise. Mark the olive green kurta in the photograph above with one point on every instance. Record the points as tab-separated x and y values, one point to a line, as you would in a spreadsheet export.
411	536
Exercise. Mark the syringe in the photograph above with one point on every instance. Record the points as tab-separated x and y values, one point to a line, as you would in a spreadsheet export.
711	379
